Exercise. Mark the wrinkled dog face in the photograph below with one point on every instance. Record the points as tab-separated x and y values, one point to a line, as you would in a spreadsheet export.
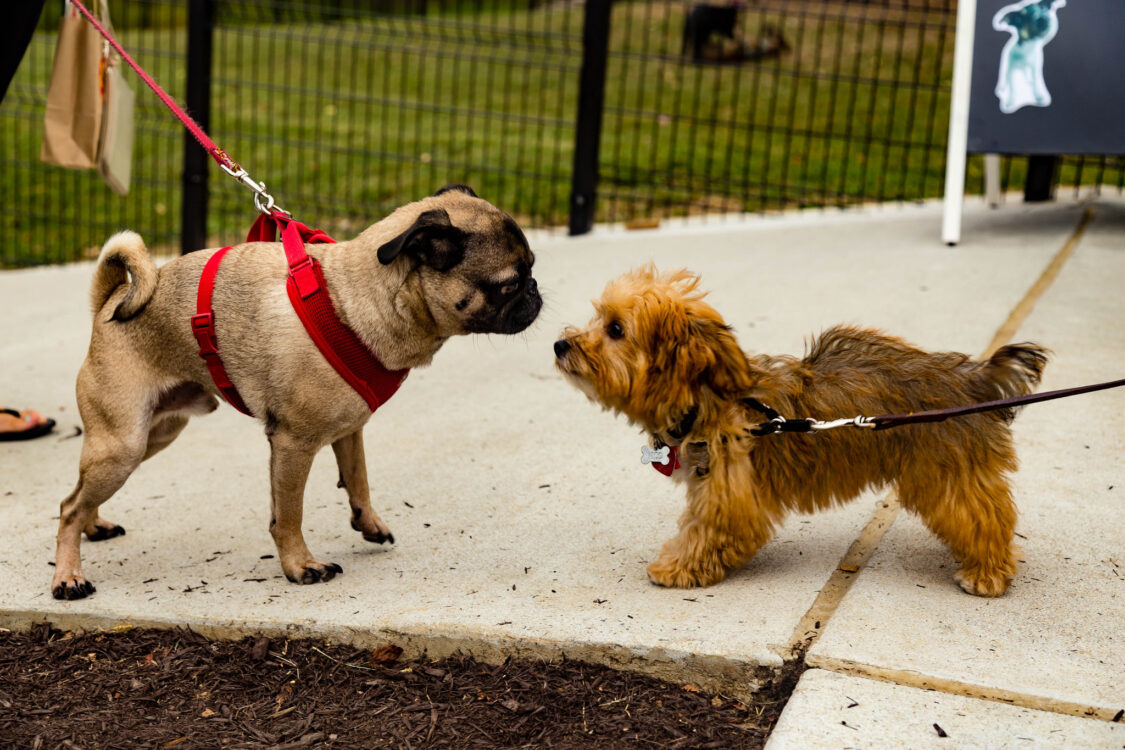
475	264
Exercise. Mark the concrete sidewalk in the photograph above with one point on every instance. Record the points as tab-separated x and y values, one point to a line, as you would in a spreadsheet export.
524	519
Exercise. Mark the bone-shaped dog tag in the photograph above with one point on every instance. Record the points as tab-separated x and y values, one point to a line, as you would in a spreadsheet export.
654	456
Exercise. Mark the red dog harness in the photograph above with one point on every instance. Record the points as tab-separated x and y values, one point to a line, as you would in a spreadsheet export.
308	293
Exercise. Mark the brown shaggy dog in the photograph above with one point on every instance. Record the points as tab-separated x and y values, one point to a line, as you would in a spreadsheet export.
660	355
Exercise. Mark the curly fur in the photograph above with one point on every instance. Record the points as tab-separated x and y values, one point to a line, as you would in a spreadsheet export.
657	352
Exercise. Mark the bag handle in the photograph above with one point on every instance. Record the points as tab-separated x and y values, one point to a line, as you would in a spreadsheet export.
101	10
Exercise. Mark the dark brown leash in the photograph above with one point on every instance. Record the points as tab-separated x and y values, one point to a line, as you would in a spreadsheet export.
778	423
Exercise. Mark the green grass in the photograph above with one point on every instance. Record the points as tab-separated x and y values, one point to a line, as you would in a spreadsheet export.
344	121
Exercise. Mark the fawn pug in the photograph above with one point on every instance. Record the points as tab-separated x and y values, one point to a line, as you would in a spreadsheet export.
660	355
446	265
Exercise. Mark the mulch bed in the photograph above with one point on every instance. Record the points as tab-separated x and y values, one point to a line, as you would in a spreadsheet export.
150	688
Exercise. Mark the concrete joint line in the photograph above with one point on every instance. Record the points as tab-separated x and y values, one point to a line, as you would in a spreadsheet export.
859	553
836	587
910	678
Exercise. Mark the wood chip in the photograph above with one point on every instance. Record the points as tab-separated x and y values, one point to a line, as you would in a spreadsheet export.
385	655
261	649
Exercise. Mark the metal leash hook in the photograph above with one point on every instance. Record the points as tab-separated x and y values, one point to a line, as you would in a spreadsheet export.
861	421
778	423
263	201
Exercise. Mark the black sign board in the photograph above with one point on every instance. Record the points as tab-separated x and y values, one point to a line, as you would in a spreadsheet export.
1048	77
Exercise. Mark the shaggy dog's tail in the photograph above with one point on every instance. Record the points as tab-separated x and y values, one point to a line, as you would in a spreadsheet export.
123	260
1015	370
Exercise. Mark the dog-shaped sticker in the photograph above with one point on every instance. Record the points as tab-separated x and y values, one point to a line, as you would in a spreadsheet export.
1030	24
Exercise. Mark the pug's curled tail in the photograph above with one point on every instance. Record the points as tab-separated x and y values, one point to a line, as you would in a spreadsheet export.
124	260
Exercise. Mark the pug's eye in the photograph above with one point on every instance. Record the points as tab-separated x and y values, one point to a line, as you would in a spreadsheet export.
501	290
615	330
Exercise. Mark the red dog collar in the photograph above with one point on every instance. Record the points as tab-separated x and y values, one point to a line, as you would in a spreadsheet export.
664	464
673	462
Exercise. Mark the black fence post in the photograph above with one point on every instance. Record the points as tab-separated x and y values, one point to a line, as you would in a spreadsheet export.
591	101
193	207
1040	182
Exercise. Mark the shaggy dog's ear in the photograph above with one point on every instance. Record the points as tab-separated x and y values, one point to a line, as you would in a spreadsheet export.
693	350
676	363
727	371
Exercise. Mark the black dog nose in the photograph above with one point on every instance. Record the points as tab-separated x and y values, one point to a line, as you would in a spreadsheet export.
562	346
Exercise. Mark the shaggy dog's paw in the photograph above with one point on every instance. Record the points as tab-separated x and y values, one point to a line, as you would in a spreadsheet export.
671	574
978	583
686	561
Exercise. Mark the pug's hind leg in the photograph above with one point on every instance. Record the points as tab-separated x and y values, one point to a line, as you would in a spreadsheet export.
107	461
353	478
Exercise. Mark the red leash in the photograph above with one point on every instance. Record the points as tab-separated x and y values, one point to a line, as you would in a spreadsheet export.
209	145
262	199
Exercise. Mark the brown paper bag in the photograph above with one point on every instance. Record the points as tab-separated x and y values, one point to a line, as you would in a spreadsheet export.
115	148
115	145
73	122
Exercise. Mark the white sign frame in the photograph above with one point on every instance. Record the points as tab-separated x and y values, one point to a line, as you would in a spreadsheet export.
956	154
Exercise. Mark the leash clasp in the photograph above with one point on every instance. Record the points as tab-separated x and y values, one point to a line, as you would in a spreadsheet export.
263	201
778	423
860	421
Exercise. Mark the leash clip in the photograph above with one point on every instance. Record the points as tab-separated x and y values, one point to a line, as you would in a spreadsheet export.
860	421
778	423
263	201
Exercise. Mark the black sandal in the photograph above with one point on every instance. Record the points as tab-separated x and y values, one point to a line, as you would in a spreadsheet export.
33	432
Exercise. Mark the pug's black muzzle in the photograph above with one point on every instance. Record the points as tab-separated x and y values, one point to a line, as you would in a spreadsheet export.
514	316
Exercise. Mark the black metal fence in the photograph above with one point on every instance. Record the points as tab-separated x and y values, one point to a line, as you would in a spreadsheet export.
347	109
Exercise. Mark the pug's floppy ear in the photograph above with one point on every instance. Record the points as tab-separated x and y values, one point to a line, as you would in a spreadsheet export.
431	239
